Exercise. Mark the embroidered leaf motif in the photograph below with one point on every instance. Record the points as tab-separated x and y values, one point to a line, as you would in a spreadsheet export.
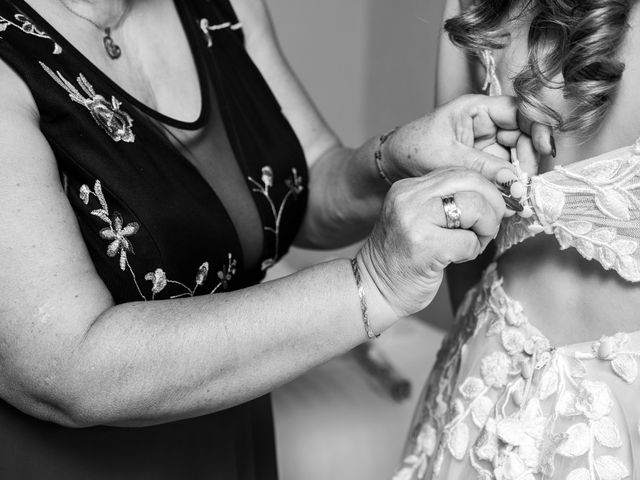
472	387
577	443
101	214
626	367
549	202
201	275
610	468
624	247
579	474
603	170
613	204
607	258
548	383
607	433
586	248
594	400
604	235
576	368
566	404
480	411
459	441
629	268
579	227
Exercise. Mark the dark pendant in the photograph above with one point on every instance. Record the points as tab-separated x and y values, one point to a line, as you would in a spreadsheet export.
113	50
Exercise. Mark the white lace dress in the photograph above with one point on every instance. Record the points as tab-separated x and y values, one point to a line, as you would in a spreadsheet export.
502	402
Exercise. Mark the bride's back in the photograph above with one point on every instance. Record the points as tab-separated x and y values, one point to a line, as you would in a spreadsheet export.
567	297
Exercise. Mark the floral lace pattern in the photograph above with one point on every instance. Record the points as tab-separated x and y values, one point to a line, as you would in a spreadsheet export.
526	410
119	237
592	206
108	115
295	187
22	22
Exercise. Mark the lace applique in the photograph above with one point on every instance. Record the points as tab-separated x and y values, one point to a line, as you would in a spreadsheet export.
295	185
118	234
22	22
594	207
108	115
208	28
525	405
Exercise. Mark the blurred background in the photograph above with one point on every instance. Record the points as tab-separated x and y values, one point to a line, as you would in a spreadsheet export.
369	65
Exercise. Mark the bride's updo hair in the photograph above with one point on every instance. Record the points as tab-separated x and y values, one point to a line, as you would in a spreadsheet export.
575	41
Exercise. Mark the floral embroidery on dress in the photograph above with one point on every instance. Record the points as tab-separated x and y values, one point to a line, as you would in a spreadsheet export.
590	205
118	234
295	186
22	22
207	28
108	115
225	275
528	405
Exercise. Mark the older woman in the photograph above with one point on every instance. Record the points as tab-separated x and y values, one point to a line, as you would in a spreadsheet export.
159	150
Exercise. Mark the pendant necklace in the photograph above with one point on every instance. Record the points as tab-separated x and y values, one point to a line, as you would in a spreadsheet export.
111	47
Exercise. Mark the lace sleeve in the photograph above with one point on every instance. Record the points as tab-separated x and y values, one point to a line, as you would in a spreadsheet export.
594	206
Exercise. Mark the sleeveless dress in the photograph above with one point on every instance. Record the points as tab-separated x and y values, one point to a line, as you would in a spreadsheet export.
155	229
502	402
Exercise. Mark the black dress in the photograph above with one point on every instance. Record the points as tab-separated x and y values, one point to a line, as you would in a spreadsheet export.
155	229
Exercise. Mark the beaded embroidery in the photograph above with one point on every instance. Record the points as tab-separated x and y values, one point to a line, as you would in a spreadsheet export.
118	234
22	22
208	28
108	115
295	186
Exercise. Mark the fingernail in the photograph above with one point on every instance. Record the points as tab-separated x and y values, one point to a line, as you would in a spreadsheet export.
512	204
505	178
553	146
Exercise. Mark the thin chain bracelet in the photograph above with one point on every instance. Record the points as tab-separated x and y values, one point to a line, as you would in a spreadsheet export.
378	155
363	301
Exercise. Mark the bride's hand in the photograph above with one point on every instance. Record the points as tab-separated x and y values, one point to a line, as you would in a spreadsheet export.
464	132
404	258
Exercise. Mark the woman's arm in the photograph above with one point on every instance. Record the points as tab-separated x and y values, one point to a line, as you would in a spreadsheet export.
346	190
70	356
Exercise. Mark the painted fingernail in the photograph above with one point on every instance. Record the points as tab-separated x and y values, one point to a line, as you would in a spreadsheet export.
512	204
553	146
505	178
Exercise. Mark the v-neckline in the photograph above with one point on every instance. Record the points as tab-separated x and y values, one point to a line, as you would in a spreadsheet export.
206	75
195	47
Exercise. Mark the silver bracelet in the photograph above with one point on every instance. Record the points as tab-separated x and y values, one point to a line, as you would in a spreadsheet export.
363	300
377	155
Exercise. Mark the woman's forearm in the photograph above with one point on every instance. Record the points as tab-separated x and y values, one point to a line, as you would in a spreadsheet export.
147	363
345	196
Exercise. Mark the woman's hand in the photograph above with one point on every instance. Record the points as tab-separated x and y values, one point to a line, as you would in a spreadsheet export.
467	132
410	246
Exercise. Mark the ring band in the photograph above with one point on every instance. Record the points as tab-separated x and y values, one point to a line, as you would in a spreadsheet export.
451	212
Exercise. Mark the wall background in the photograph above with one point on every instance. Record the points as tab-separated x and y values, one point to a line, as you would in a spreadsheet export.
369	65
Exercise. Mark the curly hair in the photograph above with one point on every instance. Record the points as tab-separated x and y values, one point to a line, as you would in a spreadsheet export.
572	45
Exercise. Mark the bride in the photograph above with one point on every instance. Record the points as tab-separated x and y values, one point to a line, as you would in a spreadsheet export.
539	377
